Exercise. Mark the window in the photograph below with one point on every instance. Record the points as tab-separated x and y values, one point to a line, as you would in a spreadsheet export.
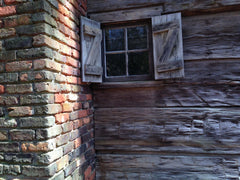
137	50
127	52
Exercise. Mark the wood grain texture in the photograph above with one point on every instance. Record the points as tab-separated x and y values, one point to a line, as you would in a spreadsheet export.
169	6
165	130
169	96
155	167
212	36
167	46
127	15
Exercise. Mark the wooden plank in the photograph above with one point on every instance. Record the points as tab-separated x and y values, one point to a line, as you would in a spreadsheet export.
90	49
169	95
167	46
91	31
93	70
170	6
211	36
126	15
196	72
163	167
165	130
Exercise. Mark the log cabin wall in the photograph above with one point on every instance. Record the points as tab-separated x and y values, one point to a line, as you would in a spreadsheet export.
181	129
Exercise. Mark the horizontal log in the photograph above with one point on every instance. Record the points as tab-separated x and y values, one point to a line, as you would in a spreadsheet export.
169	95
95	6
186	130
157	167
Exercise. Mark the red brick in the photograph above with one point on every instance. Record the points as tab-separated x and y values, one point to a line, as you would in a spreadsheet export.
18	66
67	107
77	143
73	62
39	147
61	118
75	54
87	172
77	123
59	98
20	111
77	106
1	89
88	97
7	10
86	120
9	2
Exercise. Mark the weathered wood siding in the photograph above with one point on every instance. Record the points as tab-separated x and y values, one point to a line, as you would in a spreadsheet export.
176	129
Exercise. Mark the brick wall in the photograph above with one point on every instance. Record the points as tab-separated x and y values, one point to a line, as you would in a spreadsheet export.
46	124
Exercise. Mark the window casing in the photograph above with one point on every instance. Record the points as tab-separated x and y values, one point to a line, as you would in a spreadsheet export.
127	51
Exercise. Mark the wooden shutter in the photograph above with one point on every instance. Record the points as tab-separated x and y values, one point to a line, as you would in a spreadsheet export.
91	36
167	46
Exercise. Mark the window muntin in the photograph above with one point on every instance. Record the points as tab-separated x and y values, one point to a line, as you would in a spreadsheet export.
127	52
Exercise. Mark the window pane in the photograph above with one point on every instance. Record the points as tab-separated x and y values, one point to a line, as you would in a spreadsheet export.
137	37
138	63
116	64
114	39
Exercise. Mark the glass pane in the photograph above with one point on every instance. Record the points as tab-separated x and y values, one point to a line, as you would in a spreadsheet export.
116	64
138	63
137	37
114	39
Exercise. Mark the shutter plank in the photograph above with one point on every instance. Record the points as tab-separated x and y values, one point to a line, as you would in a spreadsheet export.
167	46
91	36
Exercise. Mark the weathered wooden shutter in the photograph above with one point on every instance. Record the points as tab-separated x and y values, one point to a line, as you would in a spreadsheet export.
91	36
167	46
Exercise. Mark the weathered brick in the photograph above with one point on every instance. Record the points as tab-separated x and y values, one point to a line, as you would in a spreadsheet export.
37	76
61	163
48	158
1	111
78	114
70	168
1	89
18	158
19	66
8	100
7	55
44	17
13	21
67	127
59	98
7	123
34	53
22	135
31	122
47	87
58	176
11	169
37	99
44	40
10	2
43	134
18	43
20	111
47	64
68	148
77	142
77	123
67	107
19	88
63	139
9	147
44	146
8	77
34	6
75	134
87	172
33	171
61	118
7	11
9	32
48	109
3	135
34	29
